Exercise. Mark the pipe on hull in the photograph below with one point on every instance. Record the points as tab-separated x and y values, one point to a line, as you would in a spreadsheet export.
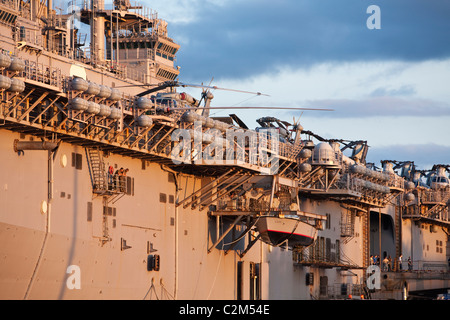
34	145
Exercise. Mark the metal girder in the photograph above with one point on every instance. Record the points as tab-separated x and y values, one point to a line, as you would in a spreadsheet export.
218	185
235	241
42	97
161	139
228	180
250	245
141	136
235	222
53	117
19	103
45	110
248	177
202	189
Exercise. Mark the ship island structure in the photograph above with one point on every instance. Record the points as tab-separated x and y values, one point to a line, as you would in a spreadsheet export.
115	185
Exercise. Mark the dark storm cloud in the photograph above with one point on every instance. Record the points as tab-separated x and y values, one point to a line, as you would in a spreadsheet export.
381	106
246	38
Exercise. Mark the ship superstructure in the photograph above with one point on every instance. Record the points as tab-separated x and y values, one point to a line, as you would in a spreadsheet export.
112	175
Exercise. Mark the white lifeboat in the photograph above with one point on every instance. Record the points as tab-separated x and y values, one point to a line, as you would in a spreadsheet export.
276	230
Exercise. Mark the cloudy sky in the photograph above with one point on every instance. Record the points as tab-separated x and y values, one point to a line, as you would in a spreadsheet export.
389	86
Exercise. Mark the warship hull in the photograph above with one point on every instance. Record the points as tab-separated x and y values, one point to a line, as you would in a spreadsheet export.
180	224
73	245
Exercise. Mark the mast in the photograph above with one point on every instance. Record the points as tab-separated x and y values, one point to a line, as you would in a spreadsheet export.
97	31
49	7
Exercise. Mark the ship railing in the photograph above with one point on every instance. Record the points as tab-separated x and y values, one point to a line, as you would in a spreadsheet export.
419	266
84	4
119	69
32	37
288	150
321	255
242	203
341	291
43	73
395	181
137	75
438	213
261	151
57	21
137	8
372	188
432	266
349	181
347	224
82	55
230	205
117	183
430	195
123	133
13	4
143	11
316	254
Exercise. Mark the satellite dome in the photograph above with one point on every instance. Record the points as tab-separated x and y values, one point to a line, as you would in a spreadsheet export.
323	154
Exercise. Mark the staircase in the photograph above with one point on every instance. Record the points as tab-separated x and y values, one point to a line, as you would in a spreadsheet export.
435	211
296	148
97	171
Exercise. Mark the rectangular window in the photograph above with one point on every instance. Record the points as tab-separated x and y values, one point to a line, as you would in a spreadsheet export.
338	251
89	211
109	211
77	161
254	281
328	249
129	186
323	289
240	266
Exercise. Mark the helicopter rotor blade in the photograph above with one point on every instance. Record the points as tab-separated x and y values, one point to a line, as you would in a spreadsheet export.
270	108
166	84
172	83
161	86
225	89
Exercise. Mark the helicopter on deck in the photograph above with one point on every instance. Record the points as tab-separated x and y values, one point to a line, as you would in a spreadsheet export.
437	179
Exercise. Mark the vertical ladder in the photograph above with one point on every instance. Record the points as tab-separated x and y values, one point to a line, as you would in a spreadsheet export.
347	225
97	170
365	239
365	220
398	235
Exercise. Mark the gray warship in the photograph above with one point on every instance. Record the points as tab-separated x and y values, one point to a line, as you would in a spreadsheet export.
115	184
